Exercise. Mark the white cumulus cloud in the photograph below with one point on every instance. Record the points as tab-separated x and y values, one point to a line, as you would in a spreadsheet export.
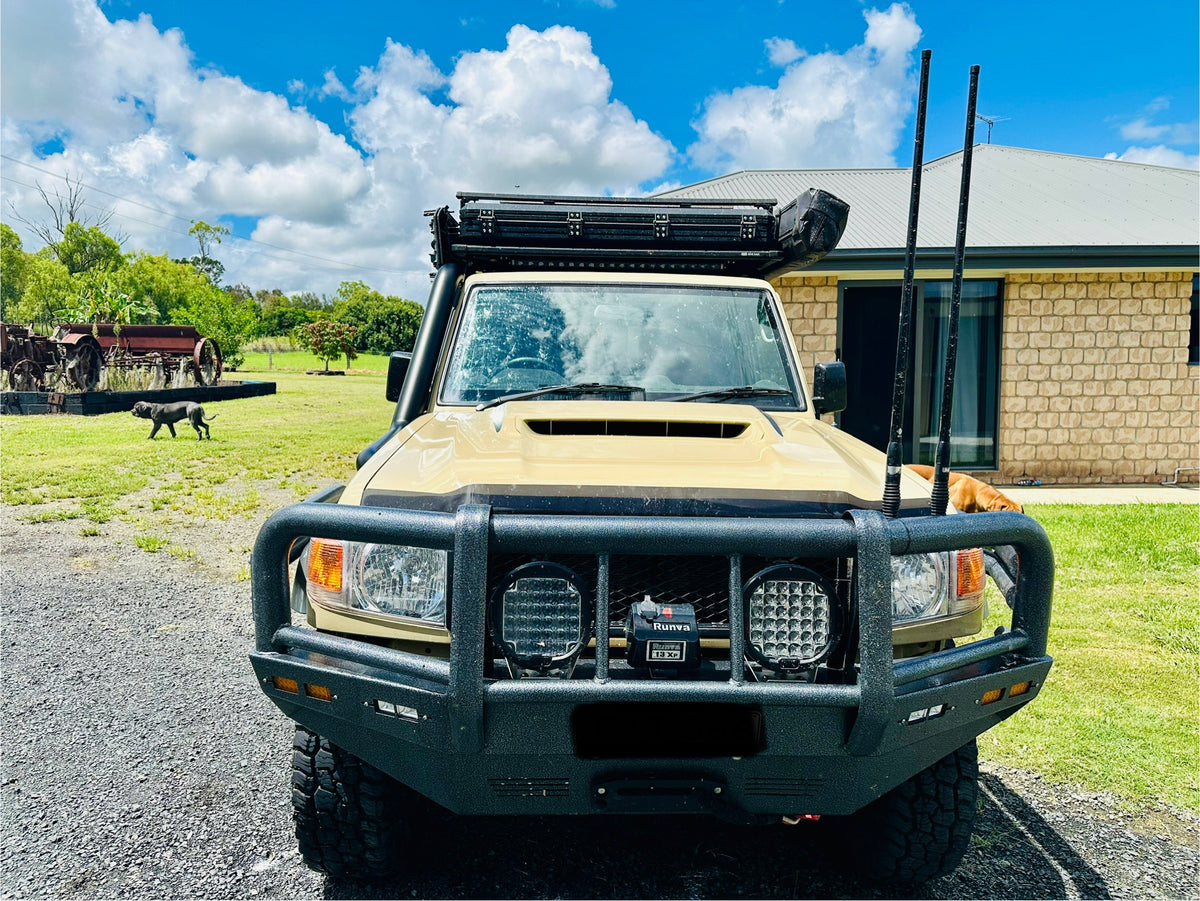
121	106
1159	143
781	51
1159	155
827	109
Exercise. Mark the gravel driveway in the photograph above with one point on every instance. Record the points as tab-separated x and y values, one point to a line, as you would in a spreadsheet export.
140	759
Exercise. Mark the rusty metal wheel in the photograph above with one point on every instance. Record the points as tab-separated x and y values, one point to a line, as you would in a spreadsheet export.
85	365
206	362
26	375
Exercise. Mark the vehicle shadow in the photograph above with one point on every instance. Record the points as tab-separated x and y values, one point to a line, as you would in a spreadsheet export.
1014	854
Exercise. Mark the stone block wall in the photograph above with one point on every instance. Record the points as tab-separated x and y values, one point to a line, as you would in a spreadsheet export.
811	307
1094	381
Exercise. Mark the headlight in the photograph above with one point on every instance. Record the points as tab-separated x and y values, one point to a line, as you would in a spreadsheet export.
926	586
918	586
390	580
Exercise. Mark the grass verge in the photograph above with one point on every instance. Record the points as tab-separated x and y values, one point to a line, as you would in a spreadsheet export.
1120	709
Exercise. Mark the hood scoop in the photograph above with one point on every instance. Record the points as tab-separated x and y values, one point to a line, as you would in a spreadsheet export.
640	428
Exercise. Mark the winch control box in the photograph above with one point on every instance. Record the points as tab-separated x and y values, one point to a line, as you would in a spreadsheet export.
662	637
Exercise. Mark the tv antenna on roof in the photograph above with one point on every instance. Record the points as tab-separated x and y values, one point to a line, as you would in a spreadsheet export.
991	120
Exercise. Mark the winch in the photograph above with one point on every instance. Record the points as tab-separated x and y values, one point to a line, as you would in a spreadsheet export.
663	638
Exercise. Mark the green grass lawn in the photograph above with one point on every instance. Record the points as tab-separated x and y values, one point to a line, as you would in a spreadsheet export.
261	363
1119	711
1120	708
311	429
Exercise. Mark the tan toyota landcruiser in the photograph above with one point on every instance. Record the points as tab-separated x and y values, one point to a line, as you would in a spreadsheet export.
610	559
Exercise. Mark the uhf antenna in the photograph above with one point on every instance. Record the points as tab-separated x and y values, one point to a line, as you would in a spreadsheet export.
895	449
941	461
991	120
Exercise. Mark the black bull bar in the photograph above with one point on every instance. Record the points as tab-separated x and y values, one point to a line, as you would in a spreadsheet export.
475	531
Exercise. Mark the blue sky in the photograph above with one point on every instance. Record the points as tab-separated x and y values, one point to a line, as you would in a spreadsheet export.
318	131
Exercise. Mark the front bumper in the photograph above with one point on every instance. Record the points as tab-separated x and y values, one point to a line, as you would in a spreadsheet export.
487	746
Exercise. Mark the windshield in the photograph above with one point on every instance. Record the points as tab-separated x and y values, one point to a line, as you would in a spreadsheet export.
670	341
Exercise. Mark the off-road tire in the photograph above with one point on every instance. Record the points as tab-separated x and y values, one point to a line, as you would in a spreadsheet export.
920	829
349	816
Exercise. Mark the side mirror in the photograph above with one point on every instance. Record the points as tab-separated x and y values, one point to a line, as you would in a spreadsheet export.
397	370
829	388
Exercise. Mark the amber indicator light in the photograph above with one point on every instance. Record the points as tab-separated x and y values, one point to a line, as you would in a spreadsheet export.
325	564
991	697
971	573
320	692
282	683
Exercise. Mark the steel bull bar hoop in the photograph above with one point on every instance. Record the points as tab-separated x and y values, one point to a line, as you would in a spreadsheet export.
475	532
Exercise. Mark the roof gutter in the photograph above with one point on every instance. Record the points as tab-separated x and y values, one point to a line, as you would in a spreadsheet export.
1019	259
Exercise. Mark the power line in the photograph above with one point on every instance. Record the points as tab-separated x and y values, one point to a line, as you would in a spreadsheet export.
255	241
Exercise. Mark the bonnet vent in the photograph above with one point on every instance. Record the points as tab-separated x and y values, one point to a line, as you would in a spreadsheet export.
637	427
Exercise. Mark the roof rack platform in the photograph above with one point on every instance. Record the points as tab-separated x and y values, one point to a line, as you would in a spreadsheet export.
731	237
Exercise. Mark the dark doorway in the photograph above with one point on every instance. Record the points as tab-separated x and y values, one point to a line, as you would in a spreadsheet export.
870	323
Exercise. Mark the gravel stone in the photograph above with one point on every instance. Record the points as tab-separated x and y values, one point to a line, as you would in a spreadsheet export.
141	760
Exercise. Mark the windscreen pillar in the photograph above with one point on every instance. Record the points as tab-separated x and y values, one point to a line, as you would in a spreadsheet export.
419	381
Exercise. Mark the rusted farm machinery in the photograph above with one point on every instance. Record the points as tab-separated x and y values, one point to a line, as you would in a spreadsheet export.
77	355
31	361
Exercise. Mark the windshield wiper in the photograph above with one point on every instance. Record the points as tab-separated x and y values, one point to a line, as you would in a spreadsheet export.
732	393
580	388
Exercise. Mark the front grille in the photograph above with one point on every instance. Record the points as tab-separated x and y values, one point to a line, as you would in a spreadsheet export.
702	582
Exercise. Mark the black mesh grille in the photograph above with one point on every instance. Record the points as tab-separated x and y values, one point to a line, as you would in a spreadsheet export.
702	582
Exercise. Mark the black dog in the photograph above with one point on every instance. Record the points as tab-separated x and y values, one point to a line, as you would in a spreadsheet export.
169	414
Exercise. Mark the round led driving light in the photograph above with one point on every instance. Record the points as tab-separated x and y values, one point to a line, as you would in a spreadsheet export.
792	618
541	618
918	586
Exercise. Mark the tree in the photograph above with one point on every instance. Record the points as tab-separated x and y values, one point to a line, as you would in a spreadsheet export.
66	207
206	236
383	324
47	287
328	340
12	271
85	248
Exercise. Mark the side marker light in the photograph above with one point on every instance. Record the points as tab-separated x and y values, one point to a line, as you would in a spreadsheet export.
282	683
1019	689
320	692
991	697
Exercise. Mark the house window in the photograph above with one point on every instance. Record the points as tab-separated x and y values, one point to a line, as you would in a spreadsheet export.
867	334
1194	334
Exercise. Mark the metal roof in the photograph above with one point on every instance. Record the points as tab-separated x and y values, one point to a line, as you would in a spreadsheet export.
1026	199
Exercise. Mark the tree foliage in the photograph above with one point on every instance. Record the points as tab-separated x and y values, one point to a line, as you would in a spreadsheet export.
84	276
383	324
328	340
86	248
12	271
99	299
203	262
178	293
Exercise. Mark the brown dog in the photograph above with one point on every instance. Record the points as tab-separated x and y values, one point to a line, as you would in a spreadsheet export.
970	495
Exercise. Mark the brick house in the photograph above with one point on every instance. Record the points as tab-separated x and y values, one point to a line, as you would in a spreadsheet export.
1078	337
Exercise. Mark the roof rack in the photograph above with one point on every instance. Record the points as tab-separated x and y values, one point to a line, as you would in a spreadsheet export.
728	237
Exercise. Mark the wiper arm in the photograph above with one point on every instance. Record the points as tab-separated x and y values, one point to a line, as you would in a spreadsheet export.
580	388
732	393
